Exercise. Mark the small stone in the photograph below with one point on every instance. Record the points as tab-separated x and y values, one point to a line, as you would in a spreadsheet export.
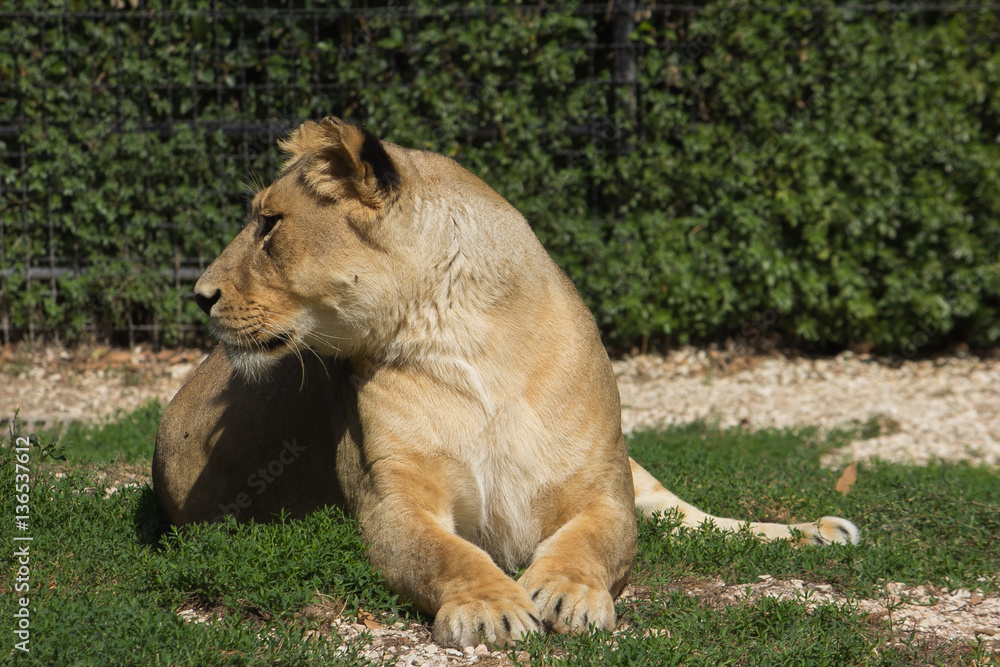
181	371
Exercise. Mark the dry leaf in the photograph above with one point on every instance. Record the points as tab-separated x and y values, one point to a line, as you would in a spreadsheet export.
975	599
369	620
847	478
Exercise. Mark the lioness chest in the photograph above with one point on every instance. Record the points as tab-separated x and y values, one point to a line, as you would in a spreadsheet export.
495	462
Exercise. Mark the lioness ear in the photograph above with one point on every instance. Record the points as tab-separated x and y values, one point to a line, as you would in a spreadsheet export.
344	160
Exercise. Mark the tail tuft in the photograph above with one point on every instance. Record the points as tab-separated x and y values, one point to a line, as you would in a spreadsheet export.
829	530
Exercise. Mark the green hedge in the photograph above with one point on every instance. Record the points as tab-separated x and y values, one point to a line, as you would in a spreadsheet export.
832	175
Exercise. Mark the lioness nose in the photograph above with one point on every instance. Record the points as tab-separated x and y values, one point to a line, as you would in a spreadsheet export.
206	300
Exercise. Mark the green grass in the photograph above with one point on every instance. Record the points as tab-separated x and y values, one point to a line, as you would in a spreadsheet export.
128	437
936	524
108	575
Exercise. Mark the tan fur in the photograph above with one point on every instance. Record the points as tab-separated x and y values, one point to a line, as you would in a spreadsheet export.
477	427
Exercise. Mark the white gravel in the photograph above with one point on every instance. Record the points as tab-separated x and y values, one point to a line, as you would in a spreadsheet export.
946	408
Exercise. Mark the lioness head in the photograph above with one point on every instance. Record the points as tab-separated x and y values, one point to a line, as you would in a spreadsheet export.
355	249
306	271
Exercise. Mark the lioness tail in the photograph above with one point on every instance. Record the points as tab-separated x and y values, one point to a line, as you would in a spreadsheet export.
652	497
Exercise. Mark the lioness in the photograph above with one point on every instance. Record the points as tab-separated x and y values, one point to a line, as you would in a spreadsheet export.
460	401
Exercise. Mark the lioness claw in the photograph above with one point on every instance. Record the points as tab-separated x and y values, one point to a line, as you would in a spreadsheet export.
495	622
566	606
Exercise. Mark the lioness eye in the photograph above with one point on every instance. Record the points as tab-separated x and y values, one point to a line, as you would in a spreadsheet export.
268	221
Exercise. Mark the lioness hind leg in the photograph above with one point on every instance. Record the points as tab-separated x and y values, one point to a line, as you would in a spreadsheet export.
579	570
652	497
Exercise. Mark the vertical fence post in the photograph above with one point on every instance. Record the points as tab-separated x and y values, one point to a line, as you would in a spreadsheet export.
27	235
4	304
624	75
53	280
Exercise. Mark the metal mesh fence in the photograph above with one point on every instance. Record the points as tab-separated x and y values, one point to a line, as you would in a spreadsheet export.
130	130
239	87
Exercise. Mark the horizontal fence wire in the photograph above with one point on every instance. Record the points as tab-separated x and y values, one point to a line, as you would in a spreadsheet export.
178	107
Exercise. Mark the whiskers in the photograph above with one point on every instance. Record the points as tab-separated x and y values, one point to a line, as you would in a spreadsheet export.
256	343
341	346
254	368
252	182
249	346
296	347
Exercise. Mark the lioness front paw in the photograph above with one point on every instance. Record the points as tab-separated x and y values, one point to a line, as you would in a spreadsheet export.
568	606
475	621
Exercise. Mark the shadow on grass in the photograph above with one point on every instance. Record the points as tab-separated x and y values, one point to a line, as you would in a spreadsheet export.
149	521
